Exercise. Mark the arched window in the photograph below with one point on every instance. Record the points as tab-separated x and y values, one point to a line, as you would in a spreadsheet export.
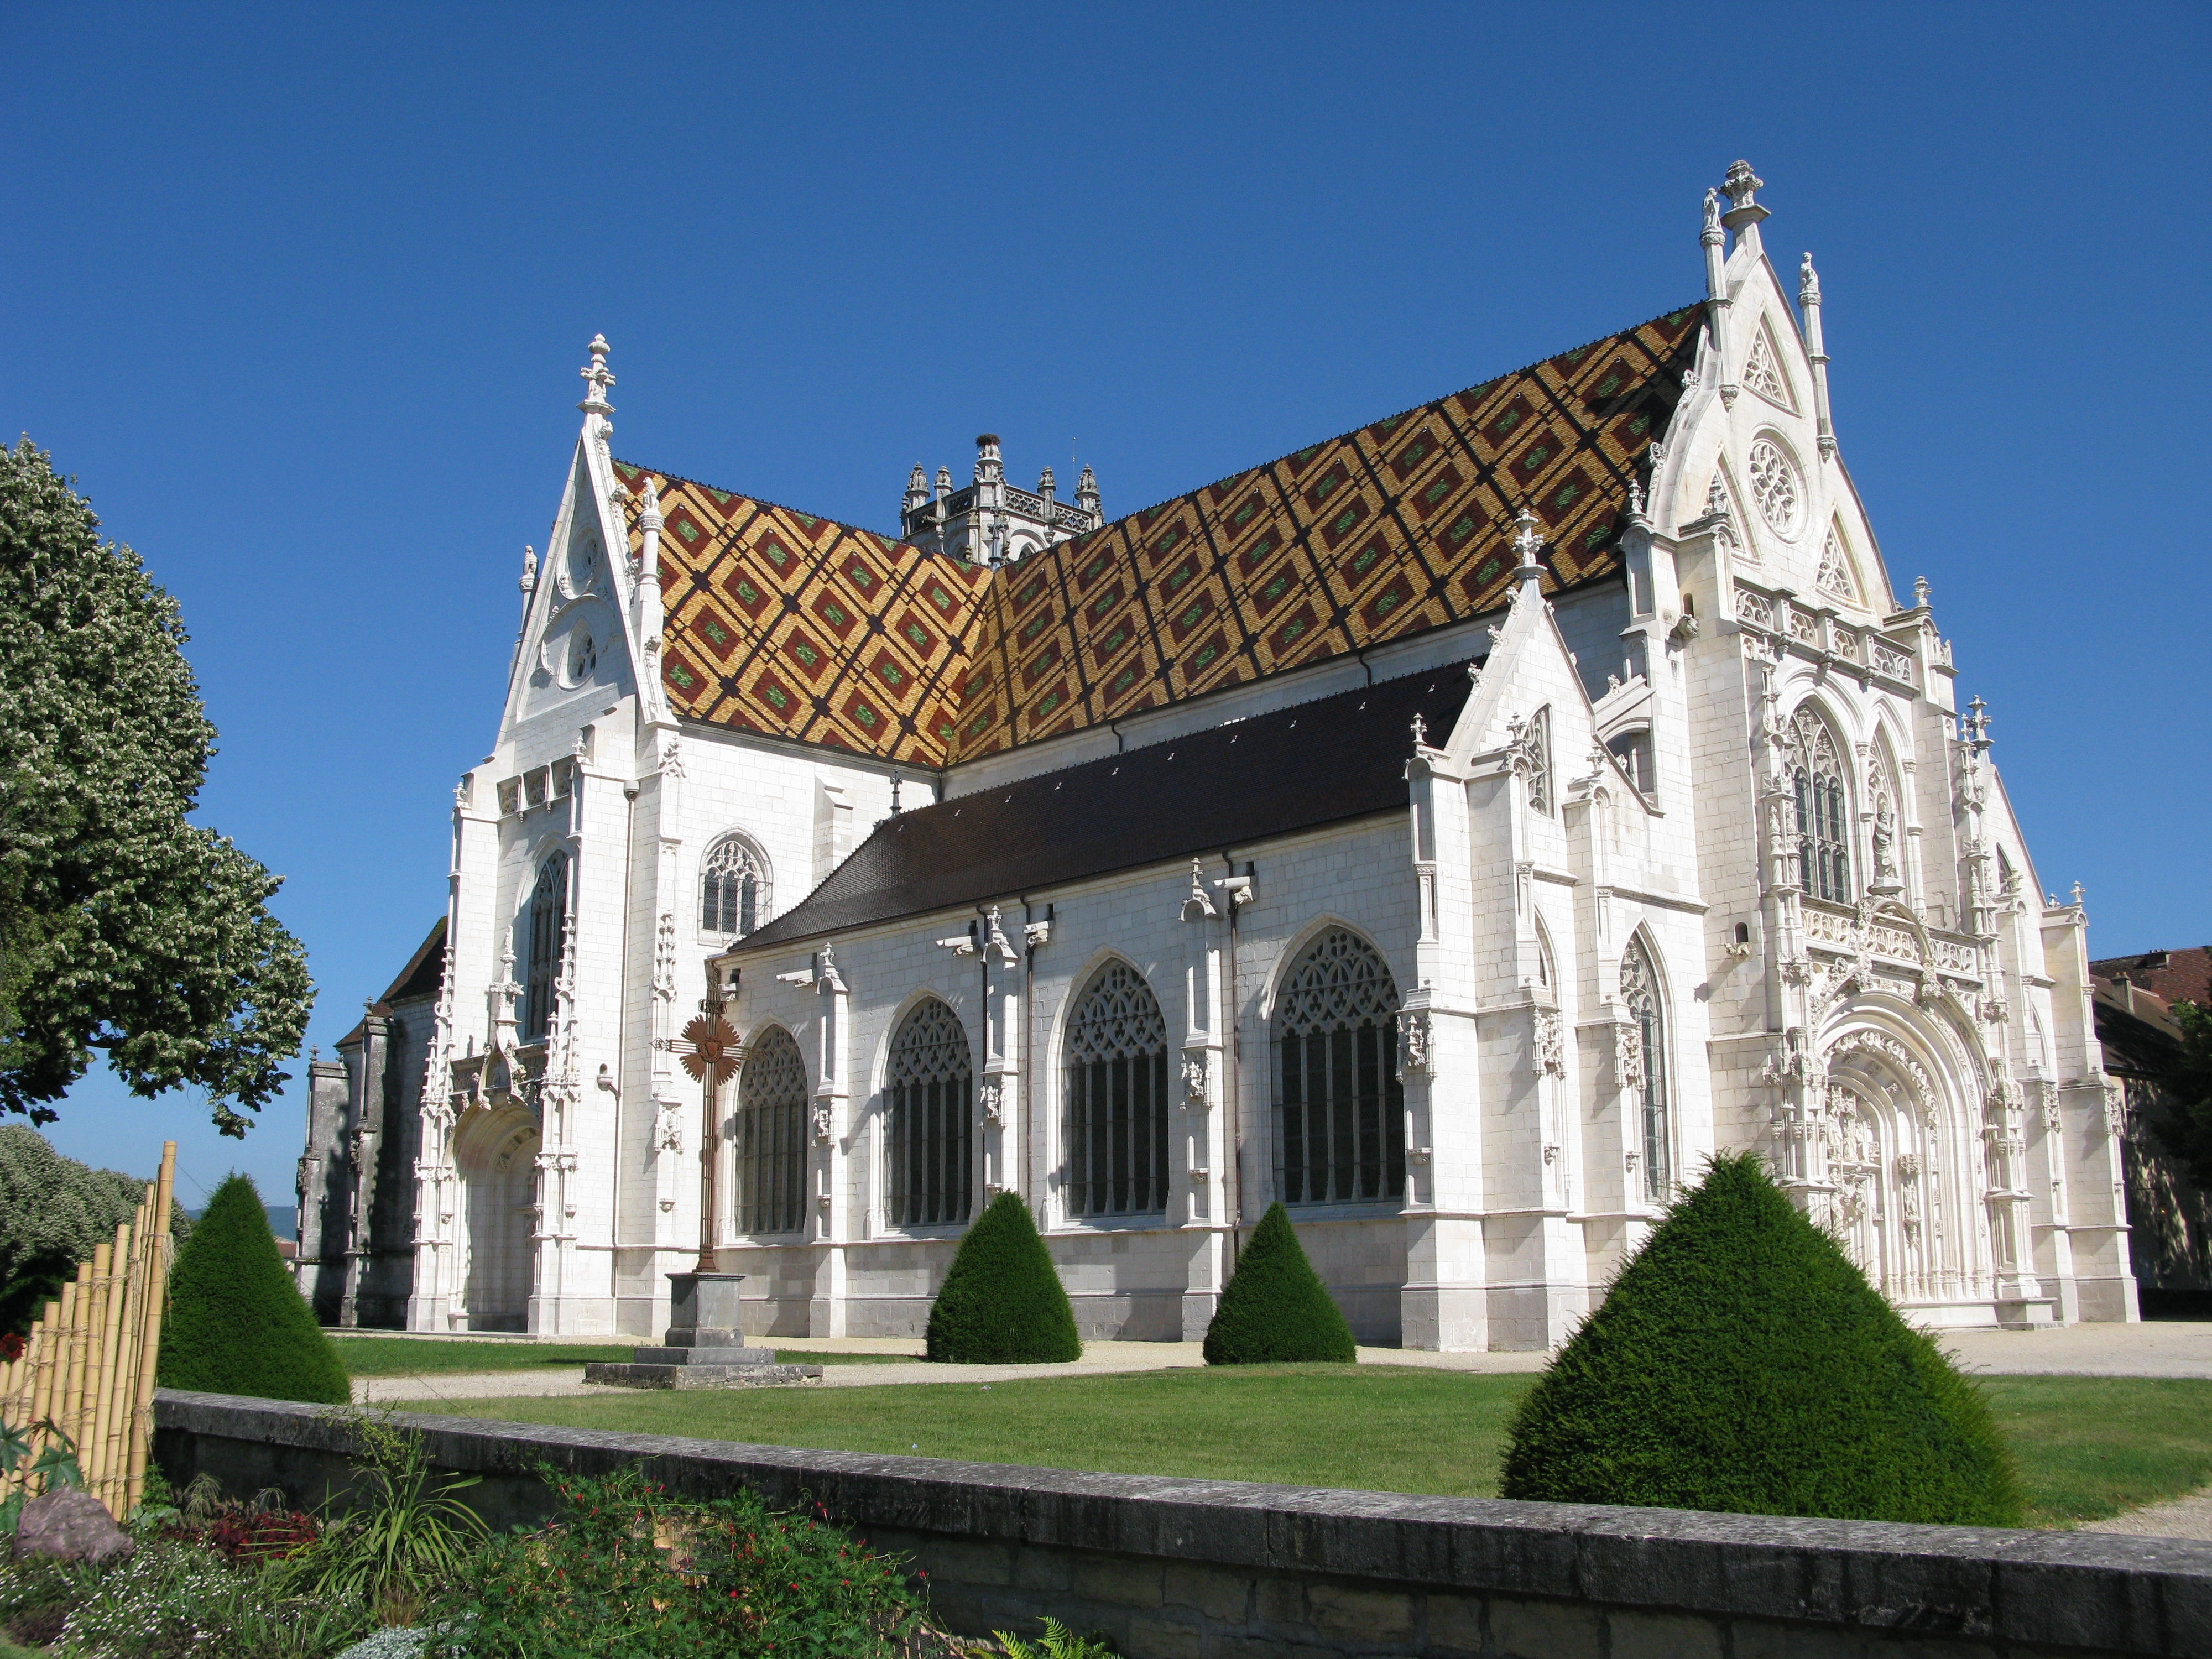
1117	1098
1816	780
733	888
548	918
930	1084
1639	995
1341	1122
770	1142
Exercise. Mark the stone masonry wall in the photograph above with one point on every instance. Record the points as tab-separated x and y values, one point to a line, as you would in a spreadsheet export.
1220	1570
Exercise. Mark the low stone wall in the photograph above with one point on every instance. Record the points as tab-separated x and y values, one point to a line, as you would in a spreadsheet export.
1222	1570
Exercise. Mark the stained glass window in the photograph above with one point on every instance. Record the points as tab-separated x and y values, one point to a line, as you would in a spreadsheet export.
548	918
733	888
771	1138
1342	1116
928	1182
1639	994
1117	1098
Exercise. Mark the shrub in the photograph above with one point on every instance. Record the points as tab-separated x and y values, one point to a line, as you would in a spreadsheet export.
625	1572
1274	1309
1742	1363
236	1323
54	1210
1002	1302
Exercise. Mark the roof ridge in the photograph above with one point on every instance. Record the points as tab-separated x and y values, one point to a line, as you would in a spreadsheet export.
763	500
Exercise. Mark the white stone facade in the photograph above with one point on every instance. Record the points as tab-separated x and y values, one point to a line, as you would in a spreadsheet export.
1914	1053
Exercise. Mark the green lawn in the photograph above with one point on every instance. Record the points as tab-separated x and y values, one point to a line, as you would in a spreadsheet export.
2088	1447
394	1356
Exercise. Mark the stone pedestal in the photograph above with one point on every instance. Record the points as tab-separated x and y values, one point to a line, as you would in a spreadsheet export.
703	1346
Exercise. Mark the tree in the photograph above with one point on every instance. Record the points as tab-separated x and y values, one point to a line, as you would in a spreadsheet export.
2185	1127
123	928
1741	1362
53	1211
1002	1302
1275	1310
236	1323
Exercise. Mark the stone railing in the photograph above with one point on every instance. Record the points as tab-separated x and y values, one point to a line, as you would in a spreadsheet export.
1209	1568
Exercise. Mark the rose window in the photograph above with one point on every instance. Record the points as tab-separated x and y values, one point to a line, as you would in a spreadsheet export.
1774	485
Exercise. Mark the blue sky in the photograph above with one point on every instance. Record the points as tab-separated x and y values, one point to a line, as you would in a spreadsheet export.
299	294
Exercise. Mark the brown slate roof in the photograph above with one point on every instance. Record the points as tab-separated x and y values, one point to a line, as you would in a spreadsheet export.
812	629
2169	974
1314	763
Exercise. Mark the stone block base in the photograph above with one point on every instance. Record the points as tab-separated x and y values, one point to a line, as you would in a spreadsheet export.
691	1356
611	1374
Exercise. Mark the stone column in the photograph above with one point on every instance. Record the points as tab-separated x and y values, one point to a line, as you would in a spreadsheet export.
829	1126
1198	1189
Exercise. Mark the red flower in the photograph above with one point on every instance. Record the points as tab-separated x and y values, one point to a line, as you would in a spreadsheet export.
11	1347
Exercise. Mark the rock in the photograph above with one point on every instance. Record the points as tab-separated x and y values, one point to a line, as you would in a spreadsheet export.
69	1525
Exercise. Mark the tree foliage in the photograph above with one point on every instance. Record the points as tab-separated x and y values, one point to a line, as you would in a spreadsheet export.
1741	1362
1275	1310
123	928
54	1211
1002	1302
2185	1128
236	1323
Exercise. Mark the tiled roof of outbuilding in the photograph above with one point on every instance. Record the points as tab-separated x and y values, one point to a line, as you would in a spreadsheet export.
812	629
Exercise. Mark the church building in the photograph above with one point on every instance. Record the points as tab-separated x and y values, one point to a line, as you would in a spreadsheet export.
1458	829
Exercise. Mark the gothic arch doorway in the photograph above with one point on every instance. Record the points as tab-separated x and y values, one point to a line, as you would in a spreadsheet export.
1904	1159
495	1156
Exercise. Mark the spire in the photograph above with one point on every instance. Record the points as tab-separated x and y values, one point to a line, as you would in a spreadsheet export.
1716	295
1809	300
1529	573
988	466
597	380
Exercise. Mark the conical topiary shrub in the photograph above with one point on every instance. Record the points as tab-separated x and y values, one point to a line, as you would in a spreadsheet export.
1275	1310
1743	1363
235	1323
1002	1302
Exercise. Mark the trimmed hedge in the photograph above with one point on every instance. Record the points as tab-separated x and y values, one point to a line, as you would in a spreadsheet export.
236	1324
1743	1364
1002	1302
1274	1309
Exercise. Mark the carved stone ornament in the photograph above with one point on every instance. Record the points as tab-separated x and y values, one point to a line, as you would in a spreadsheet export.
1551	1045
824	1126
1627	1055
991	1096
2116	1107
1413	1042
664	956
1194	1070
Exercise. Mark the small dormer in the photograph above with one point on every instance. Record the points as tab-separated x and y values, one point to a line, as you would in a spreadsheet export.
991	522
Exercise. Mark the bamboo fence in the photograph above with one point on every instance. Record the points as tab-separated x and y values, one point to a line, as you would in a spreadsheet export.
87	1369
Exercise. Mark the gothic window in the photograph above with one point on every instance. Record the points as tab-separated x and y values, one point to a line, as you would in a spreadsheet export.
583	658
1341	1120
1761	375
1639	995
1816	781
547	919
1834	576
930	1086
1775	487
1633	750
733	888
770	1141
1536	745
1117	1098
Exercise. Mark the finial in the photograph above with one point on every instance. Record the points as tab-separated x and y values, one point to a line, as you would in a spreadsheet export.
1420	732
2077	892
529	582
944	481
1046	482
649	515
917	488
1636	514
1743	207
1086	494
597	380
1920	592
896	779
1526	542
1717	501
1711	232
1808	283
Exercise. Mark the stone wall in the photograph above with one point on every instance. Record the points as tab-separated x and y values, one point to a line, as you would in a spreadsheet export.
1221	1570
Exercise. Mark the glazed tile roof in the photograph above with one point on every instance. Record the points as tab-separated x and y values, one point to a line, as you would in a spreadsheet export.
784	624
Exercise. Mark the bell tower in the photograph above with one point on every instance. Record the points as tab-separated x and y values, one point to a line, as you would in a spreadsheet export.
991	522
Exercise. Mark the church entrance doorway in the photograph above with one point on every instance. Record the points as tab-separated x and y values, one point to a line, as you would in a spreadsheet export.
495	1155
